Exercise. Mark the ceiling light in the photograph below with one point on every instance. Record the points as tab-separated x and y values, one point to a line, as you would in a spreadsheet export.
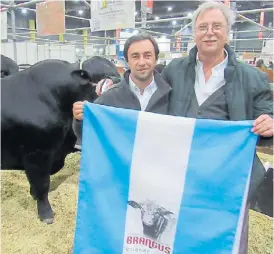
101	50
169	8
189	15
156	18
136	13
80	12
174	22
135	32
24	11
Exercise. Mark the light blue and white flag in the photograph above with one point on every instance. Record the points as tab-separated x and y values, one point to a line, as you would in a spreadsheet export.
153	183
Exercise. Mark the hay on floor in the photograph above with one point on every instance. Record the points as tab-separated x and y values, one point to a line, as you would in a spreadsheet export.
23	233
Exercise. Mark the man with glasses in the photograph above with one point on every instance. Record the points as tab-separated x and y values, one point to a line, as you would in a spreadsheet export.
210	83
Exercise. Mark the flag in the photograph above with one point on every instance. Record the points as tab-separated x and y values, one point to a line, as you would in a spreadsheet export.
260	35
152	183
50	17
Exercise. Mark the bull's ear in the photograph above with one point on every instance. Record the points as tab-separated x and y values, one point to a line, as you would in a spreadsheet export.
134	204
80	76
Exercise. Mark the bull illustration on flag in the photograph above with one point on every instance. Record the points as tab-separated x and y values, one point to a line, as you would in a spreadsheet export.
154	218
158	184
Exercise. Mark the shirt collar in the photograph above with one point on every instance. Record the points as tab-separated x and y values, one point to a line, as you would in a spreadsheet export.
222	64
134	88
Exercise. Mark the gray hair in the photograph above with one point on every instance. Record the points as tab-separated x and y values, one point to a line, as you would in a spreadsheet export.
228	13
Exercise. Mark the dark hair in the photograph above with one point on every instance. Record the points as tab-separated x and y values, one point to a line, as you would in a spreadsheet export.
159	67
140	37
259	63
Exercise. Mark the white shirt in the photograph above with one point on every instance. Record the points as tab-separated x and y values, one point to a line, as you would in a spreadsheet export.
148	92
204	89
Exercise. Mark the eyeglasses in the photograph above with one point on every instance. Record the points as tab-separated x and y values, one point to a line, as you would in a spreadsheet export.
215	28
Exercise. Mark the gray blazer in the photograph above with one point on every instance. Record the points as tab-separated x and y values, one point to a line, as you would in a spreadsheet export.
247	92
121	96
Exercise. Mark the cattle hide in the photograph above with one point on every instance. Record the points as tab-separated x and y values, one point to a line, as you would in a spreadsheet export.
95	70
8	66
263	199
36	120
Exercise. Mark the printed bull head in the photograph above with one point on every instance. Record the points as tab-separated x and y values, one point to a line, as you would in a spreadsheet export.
153	218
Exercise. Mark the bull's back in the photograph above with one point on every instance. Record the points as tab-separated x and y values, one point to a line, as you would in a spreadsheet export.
8	66
30	119
26	104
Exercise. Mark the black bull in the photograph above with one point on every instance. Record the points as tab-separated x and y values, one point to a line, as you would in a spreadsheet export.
8	66
153	218
36	119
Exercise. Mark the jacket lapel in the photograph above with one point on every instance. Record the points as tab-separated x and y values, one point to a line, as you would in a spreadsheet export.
234	90
189	87
184	85
163	88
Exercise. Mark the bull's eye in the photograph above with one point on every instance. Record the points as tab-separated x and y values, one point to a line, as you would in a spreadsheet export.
84	75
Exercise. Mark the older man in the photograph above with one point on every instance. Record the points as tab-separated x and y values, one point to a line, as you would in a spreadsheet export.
211	83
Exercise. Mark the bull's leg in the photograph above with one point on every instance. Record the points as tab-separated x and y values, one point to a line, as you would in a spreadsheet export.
32	192
37	166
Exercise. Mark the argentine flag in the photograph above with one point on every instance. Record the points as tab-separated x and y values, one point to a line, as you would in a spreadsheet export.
159	184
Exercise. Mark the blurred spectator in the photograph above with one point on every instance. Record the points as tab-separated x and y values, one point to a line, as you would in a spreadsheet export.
260	65
270	66
269	72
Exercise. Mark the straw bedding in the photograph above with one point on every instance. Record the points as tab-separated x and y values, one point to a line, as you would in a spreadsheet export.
23	233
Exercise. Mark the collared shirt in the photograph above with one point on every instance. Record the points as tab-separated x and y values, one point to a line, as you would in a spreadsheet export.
204	89
148	92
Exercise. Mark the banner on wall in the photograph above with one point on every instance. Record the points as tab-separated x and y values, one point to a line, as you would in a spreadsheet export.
149	5
112	14
118	54
178	42
50	17
260	35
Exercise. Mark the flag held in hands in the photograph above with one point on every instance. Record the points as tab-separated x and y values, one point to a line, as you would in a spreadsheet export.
153	183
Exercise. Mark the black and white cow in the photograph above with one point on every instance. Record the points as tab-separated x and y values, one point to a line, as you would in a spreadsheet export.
8	66
154	218
36	119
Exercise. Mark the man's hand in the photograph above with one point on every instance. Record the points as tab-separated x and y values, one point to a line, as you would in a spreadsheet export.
78	110
263	126
100	88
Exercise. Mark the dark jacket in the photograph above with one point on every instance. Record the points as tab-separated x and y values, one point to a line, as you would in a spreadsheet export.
247	92
121	96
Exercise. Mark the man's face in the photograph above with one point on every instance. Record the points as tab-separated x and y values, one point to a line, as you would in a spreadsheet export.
141	60
211	32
